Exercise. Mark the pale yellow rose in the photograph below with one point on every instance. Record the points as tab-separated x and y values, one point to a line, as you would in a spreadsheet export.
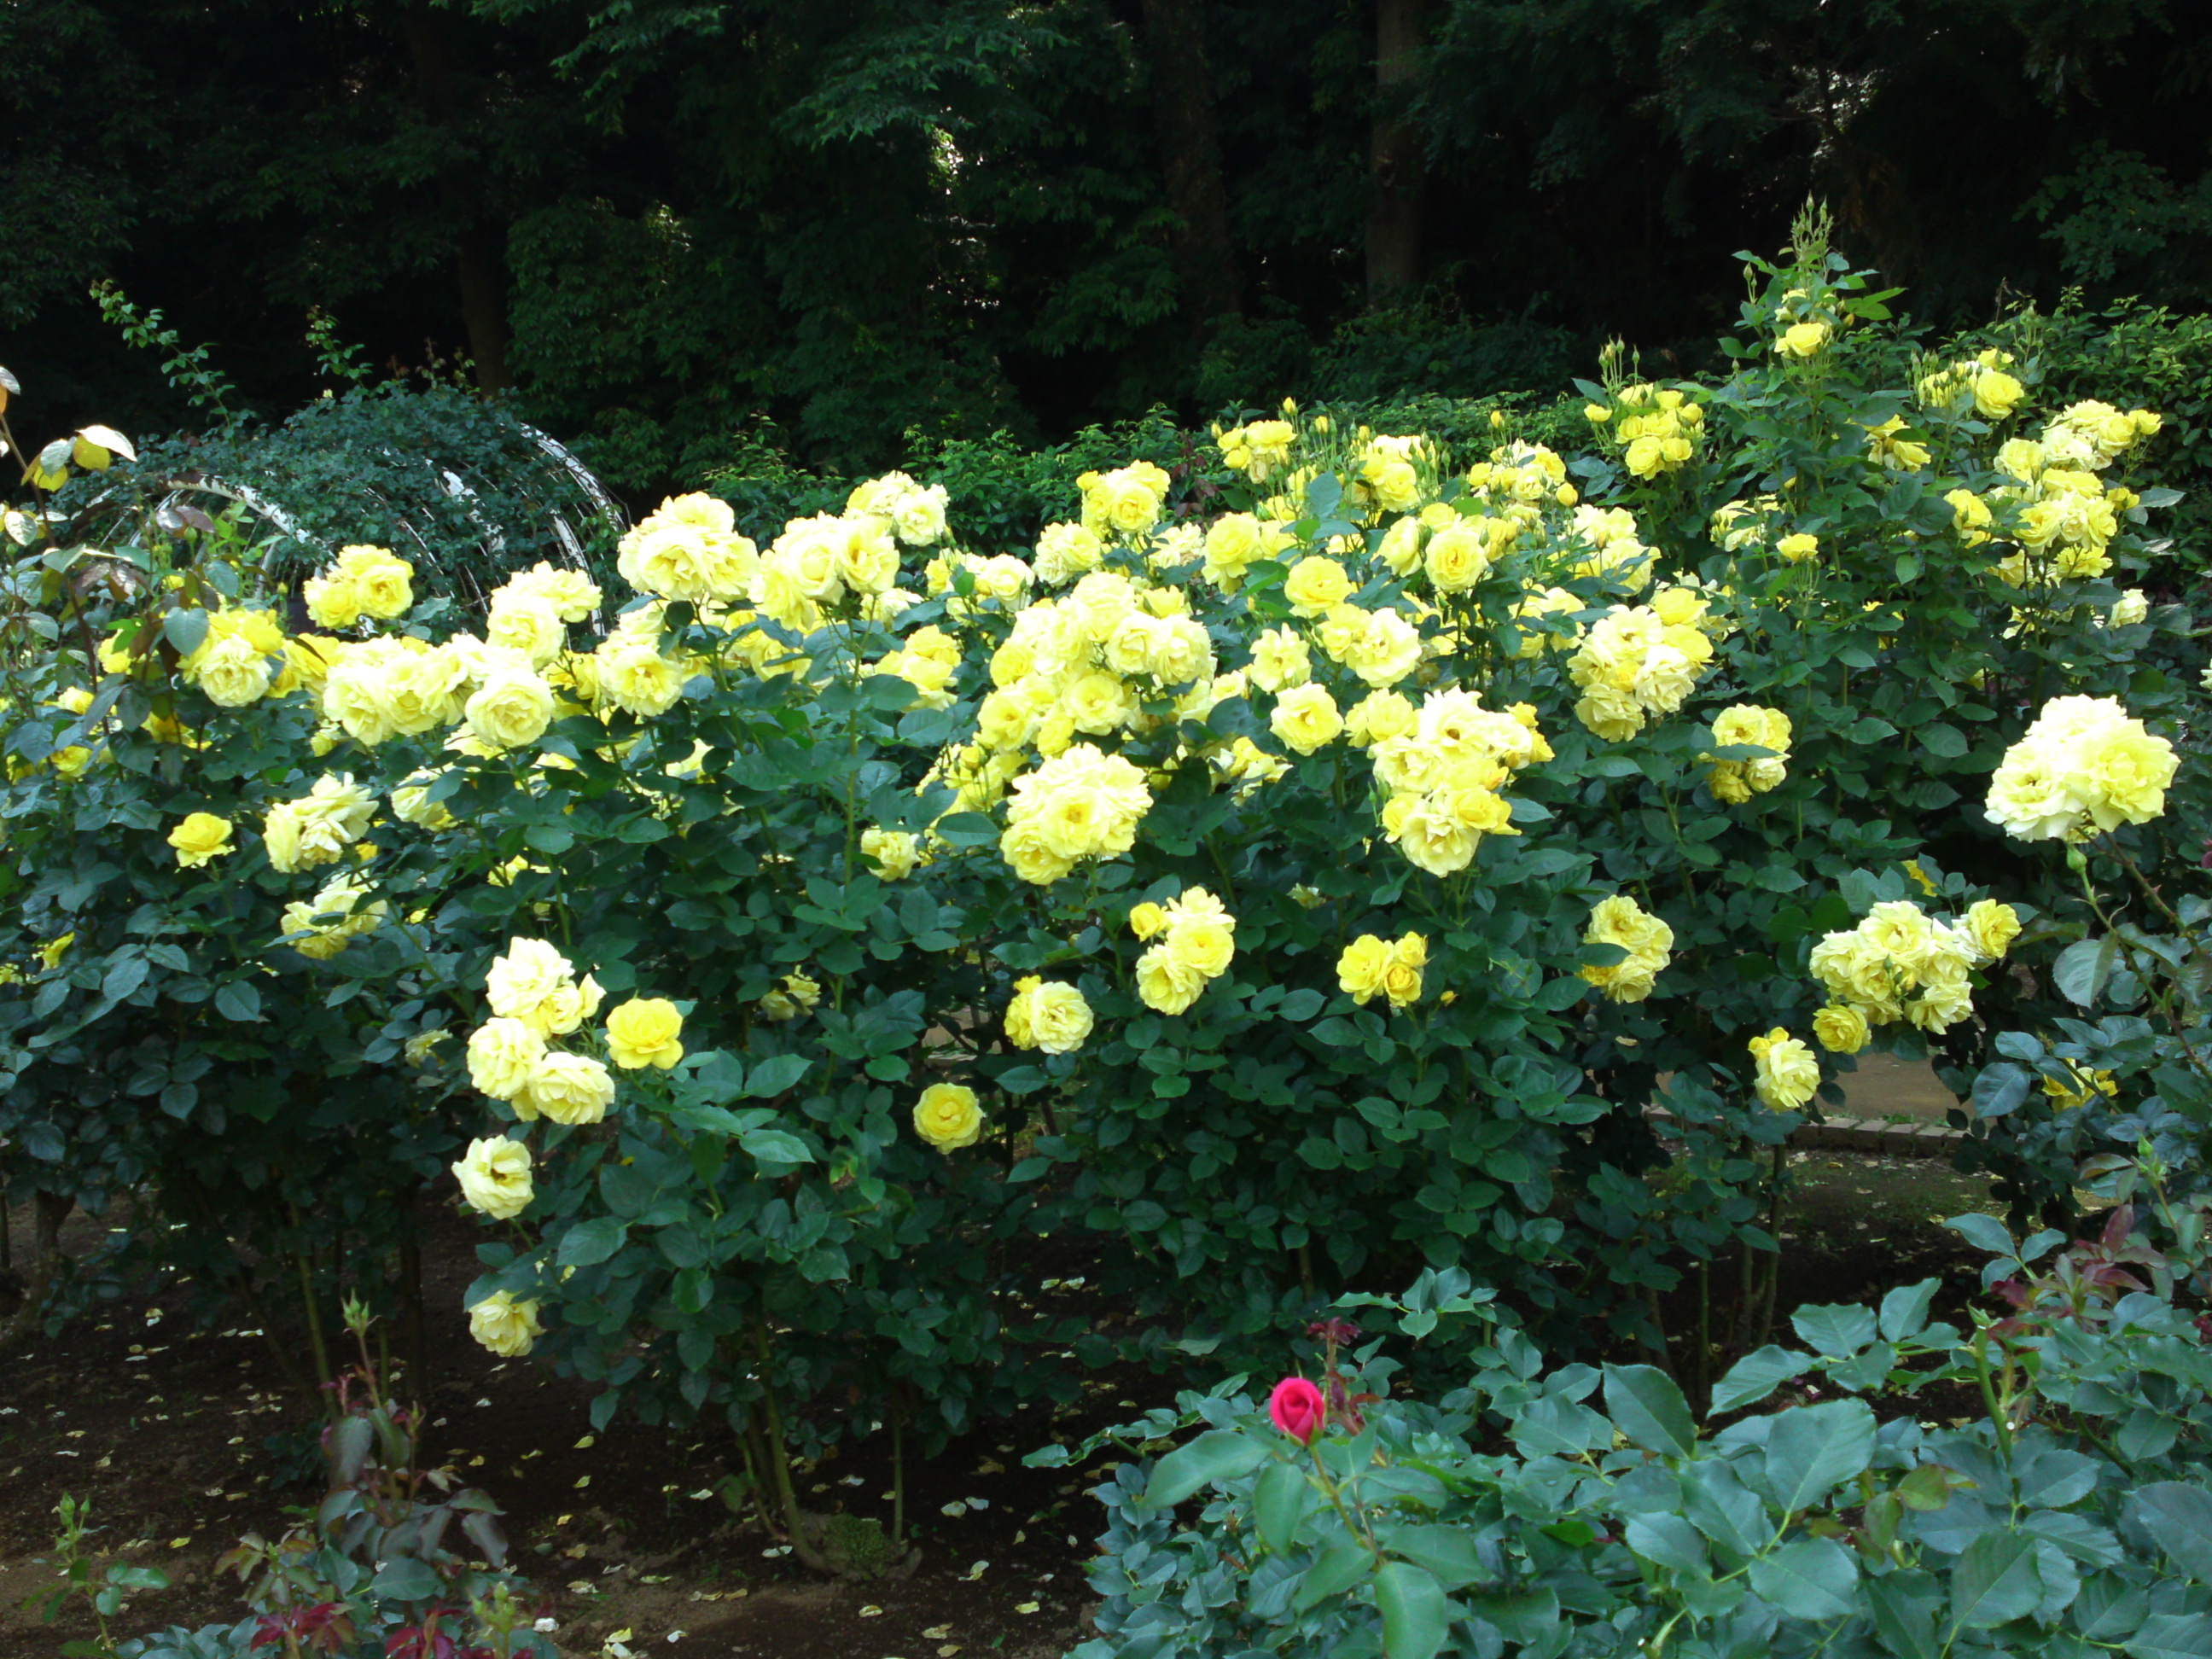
1363	967
568	1089
1841	1028
503	1056
507	1327
495	1177
1305	718
511	709
1166	983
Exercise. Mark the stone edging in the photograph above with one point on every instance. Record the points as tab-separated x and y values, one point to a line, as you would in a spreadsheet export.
1846	1135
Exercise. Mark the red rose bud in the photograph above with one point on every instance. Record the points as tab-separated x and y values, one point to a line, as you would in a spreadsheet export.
1298	1409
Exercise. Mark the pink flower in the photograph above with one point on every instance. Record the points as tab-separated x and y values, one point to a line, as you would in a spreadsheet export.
1297	1408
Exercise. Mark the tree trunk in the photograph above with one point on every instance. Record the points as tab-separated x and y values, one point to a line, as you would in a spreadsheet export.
1190	156
1396	164
48	1212
483	295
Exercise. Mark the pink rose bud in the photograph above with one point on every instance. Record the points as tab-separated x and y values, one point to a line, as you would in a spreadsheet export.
1297	1408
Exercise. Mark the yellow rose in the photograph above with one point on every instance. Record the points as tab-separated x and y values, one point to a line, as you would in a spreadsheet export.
1280	660
381	581
1166	983
512	708
1401	980
947	1116
1380	716
895	852
1456	558
507	1327
645	1032
1802	340
1205	945
527	984
1305	718
568	1089
331	602
1786	1074
1992	926
1841	1028
1146	919
201	838
495	1177
1798	548
1362	968
1315	584
1997	394
503	1056
1054	1018
233	673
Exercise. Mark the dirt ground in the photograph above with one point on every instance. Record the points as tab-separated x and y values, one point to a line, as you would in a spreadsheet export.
162	1429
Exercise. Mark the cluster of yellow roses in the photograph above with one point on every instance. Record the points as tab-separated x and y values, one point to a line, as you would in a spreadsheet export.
1656	431
1900	963
1648	942
320	928
1192	939
1980	382
361	582
535	996
2084	765
1372	966
1081	804
2064	515
1260	450
1637	661
1747	725
319	826
1444	768
1785	1072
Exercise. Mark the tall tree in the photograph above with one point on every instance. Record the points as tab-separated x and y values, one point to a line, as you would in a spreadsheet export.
1397	160
1190	154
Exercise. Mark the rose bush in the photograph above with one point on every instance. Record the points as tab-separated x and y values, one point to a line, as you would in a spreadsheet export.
1299	871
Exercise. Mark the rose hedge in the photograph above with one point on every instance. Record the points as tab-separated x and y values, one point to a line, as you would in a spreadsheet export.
1382	841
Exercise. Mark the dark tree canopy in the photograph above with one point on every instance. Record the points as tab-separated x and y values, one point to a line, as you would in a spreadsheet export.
677	228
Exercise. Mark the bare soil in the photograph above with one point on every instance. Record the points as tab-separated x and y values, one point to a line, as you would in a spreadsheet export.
163	1428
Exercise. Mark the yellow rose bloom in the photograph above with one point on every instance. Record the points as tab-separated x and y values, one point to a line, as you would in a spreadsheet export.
1802	340
568	1089
1203	944
1841	1028
511	709
1362	969
382	582
645	1032
507	1327
1054	1017
1992	926
503	1056
1401	980
201	838
495	1177
1786	1073
1649	941
947	1116
1305	718
895	852
331	602
1315	584
1798	548
1147	919
1165	983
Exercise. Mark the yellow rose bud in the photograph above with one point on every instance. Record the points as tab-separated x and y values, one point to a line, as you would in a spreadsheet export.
1147	919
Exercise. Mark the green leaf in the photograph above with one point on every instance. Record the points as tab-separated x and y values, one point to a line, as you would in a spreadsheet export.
1811	1578
1984	1232
1756	1375
404	1579
591	1242
1416	1617
1217	1454
776	1074
1905	1310
2083	969
1812	1448
1448	1552
1650	1409
1278	1504
776	1146
2173	1636
237	1000
185	629
1947	741
1335	1571
2180	1517
1302	1003
1669	1540
1837	1332
1995	1581
124	975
